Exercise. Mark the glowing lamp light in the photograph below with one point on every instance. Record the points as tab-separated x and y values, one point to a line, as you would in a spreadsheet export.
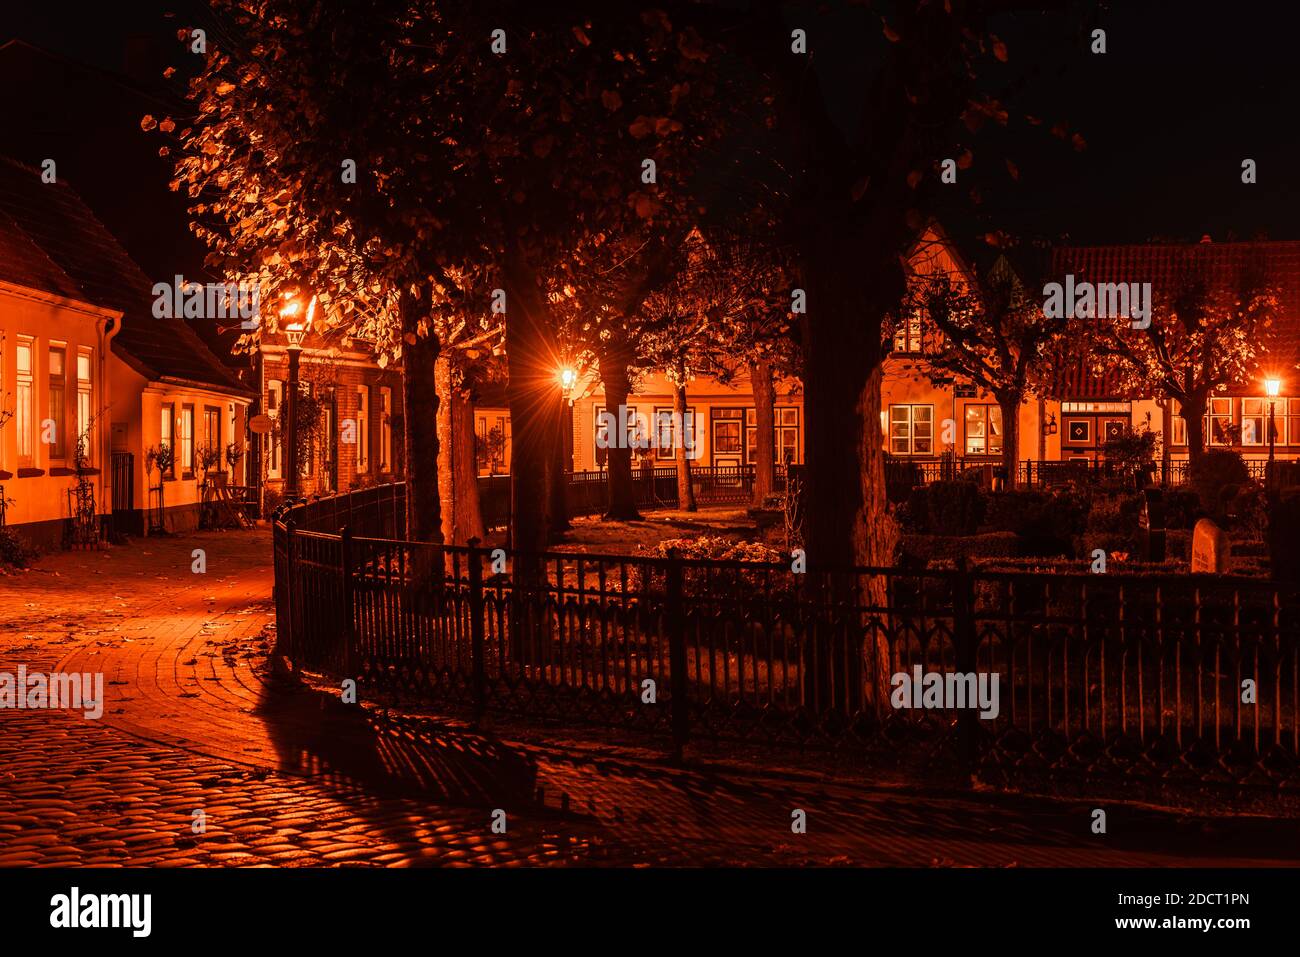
1273	387
297	331
568	379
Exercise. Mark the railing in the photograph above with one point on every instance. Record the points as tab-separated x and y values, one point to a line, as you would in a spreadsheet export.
903	473
1116	673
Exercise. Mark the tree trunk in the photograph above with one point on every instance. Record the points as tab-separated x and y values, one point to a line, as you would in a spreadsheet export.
846	522
760	376
531	394
1193	409
419	391
1010	408
457	465
685	492
622	493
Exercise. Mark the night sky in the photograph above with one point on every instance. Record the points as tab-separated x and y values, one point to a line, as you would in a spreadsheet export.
1185	92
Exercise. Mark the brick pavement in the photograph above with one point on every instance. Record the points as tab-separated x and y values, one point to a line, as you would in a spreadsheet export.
286	775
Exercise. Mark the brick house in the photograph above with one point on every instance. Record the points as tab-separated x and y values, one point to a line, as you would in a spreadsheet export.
358	441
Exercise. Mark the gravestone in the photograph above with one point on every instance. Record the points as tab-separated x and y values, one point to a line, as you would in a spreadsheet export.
1209	548
1152	525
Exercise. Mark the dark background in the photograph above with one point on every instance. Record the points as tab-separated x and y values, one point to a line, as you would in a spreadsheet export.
1185	92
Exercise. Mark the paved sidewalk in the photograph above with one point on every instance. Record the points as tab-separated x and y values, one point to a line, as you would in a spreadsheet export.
289	776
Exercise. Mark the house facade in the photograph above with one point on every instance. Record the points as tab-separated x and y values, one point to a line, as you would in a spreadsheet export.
87	364
357	437
720	422
925	418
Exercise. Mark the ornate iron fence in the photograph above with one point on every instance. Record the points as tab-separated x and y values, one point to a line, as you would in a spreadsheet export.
1174	676
904	473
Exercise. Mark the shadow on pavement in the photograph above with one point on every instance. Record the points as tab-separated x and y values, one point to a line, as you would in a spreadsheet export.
315	734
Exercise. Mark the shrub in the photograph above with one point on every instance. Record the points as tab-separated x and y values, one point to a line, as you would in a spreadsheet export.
13	550
944	508
1132	449
710	548
1216	472
1284	538
925	549
1182	508
271	499
1046	522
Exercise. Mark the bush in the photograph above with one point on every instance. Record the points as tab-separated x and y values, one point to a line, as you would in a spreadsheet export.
925	549
1112	524
1046	522
698	581
1215	478
1182	508
13	550
944	508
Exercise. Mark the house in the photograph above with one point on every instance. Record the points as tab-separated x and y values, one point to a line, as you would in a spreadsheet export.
356	439
1079	408
87	119
86	358
720	418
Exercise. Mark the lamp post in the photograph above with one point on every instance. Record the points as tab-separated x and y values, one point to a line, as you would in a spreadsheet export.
1273	387
296	332
568	379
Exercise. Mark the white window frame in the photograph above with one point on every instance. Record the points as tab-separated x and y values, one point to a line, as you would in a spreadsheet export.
906	415
25	401
385	429
363	430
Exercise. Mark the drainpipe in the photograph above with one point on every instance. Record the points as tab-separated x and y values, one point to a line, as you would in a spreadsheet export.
107	328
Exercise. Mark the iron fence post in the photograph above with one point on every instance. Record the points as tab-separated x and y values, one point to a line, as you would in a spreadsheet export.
675	620
290	593
349	621
966	661
476	637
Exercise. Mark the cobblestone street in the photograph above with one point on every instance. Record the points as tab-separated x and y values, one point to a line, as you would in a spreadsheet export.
285	775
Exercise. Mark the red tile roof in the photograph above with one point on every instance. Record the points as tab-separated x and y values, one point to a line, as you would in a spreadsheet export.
1161	265
80	259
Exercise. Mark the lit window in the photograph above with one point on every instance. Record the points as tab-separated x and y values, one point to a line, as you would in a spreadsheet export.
1222	430
85	408
187	439
665	435
167	433
56	412
23	399
385	429
1254	421
274	397
983	424
911	429
363	428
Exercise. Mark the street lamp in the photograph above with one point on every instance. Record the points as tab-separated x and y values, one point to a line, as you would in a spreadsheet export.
568	379
1274	388
295	331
